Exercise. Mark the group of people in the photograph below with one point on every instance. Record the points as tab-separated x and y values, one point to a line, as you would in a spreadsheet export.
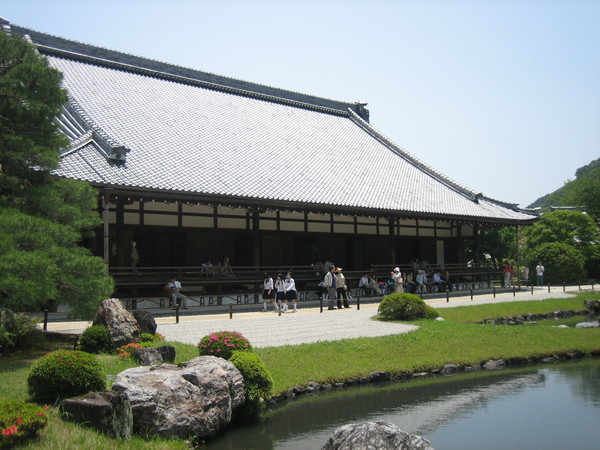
219	269
279	292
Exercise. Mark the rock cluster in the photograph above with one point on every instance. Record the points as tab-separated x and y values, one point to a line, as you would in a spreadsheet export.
532	317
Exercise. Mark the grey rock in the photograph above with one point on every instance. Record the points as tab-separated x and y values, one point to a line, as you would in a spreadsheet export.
594	324
145	320
450	369
107	411
196	398
379	376
122	326
380	435
167	352
497	364
147	356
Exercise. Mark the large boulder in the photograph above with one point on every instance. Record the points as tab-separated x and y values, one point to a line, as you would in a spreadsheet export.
145	320
107	411
196	398
122	326
381	435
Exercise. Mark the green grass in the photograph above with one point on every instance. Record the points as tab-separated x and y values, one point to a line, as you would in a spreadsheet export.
460	339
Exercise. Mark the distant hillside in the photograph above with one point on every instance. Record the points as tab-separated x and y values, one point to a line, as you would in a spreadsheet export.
564	195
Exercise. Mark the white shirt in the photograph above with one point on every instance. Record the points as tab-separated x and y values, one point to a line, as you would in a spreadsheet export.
289	284
268	283
539	270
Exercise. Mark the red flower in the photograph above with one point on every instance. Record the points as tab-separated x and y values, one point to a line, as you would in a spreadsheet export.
19	421
40	413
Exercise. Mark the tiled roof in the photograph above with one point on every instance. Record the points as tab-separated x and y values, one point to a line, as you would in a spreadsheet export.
188	137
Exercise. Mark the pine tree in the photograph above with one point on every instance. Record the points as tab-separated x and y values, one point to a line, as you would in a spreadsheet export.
42	218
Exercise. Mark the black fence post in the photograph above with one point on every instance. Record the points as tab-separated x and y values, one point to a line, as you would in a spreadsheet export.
231	311
531	288
447	296
494	290
46	319
564	286
471	292
176	313
321	303
279	309
548	288
514	290
358	303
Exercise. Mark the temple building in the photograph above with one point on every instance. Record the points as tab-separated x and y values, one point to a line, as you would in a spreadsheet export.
194	166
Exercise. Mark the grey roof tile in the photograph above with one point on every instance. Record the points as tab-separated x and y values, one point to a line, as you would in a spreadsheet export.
188	138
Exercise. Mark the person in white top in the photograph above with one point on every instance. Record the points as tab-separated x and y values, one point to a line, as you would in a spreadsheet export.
289	286
268	293
365	284
280	288
177	298
539	270
397	277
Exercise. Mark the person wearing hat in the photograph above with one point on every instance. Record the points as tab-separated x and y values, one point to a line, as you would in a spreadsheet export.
399	283
341	288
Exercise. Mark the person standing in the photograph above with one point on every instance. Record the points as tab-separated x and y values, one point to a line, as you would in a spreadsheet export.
507	273
539	271
289	286
525	275
398	282
135	258
279	287
341	288
330	286
268	293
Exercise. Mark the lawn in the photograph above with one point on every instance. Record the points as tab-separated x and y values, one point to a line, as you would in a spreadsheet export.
460	339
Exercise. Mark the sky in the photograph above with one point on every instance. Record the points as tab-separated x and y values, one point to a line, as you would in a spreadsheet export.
501	96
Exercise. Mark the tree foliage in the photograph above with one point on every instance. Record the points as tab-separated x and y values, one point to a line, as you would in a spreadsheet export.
572	229
42	218
563	263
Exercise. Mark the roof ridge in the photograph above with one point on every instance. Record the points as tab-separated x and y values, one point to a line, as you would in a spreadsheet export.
216	81
412	159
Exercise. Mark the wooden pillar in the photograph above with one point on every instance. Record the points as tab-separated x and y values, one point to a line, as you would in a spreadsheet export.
477	242
517	271
256	237
105	226
392	233
460	244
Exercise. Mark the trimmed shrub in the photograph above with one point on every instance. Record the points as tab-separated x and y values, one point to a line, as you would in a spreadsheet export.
223	344
95	339
431	313
148	337
402	307
20	421
258	383
63	374
18	331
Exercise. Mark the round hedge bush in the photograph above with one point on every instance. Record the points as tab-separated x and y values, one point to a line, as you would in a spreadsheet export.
402	307
63	374
223	344
258	383
95	339
20	421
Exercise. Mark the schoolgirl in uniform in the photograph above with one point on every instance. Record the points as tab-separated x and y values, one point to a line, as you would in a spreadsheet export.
290	291
280	288
268	292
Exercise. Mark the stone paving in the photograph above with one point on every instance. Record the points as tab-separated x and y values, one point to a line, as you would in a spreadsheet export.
268	329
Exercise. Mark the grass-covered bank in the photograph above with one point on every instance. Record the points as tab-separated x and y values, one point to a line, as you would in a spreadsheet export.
434	344
458	340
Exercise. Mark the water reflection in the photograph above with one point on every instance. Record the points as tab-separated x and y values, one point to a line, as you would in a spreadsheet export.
553	407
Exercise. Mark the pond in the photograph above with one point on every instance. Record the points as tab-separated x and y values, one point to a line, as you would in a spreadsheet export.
549	407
